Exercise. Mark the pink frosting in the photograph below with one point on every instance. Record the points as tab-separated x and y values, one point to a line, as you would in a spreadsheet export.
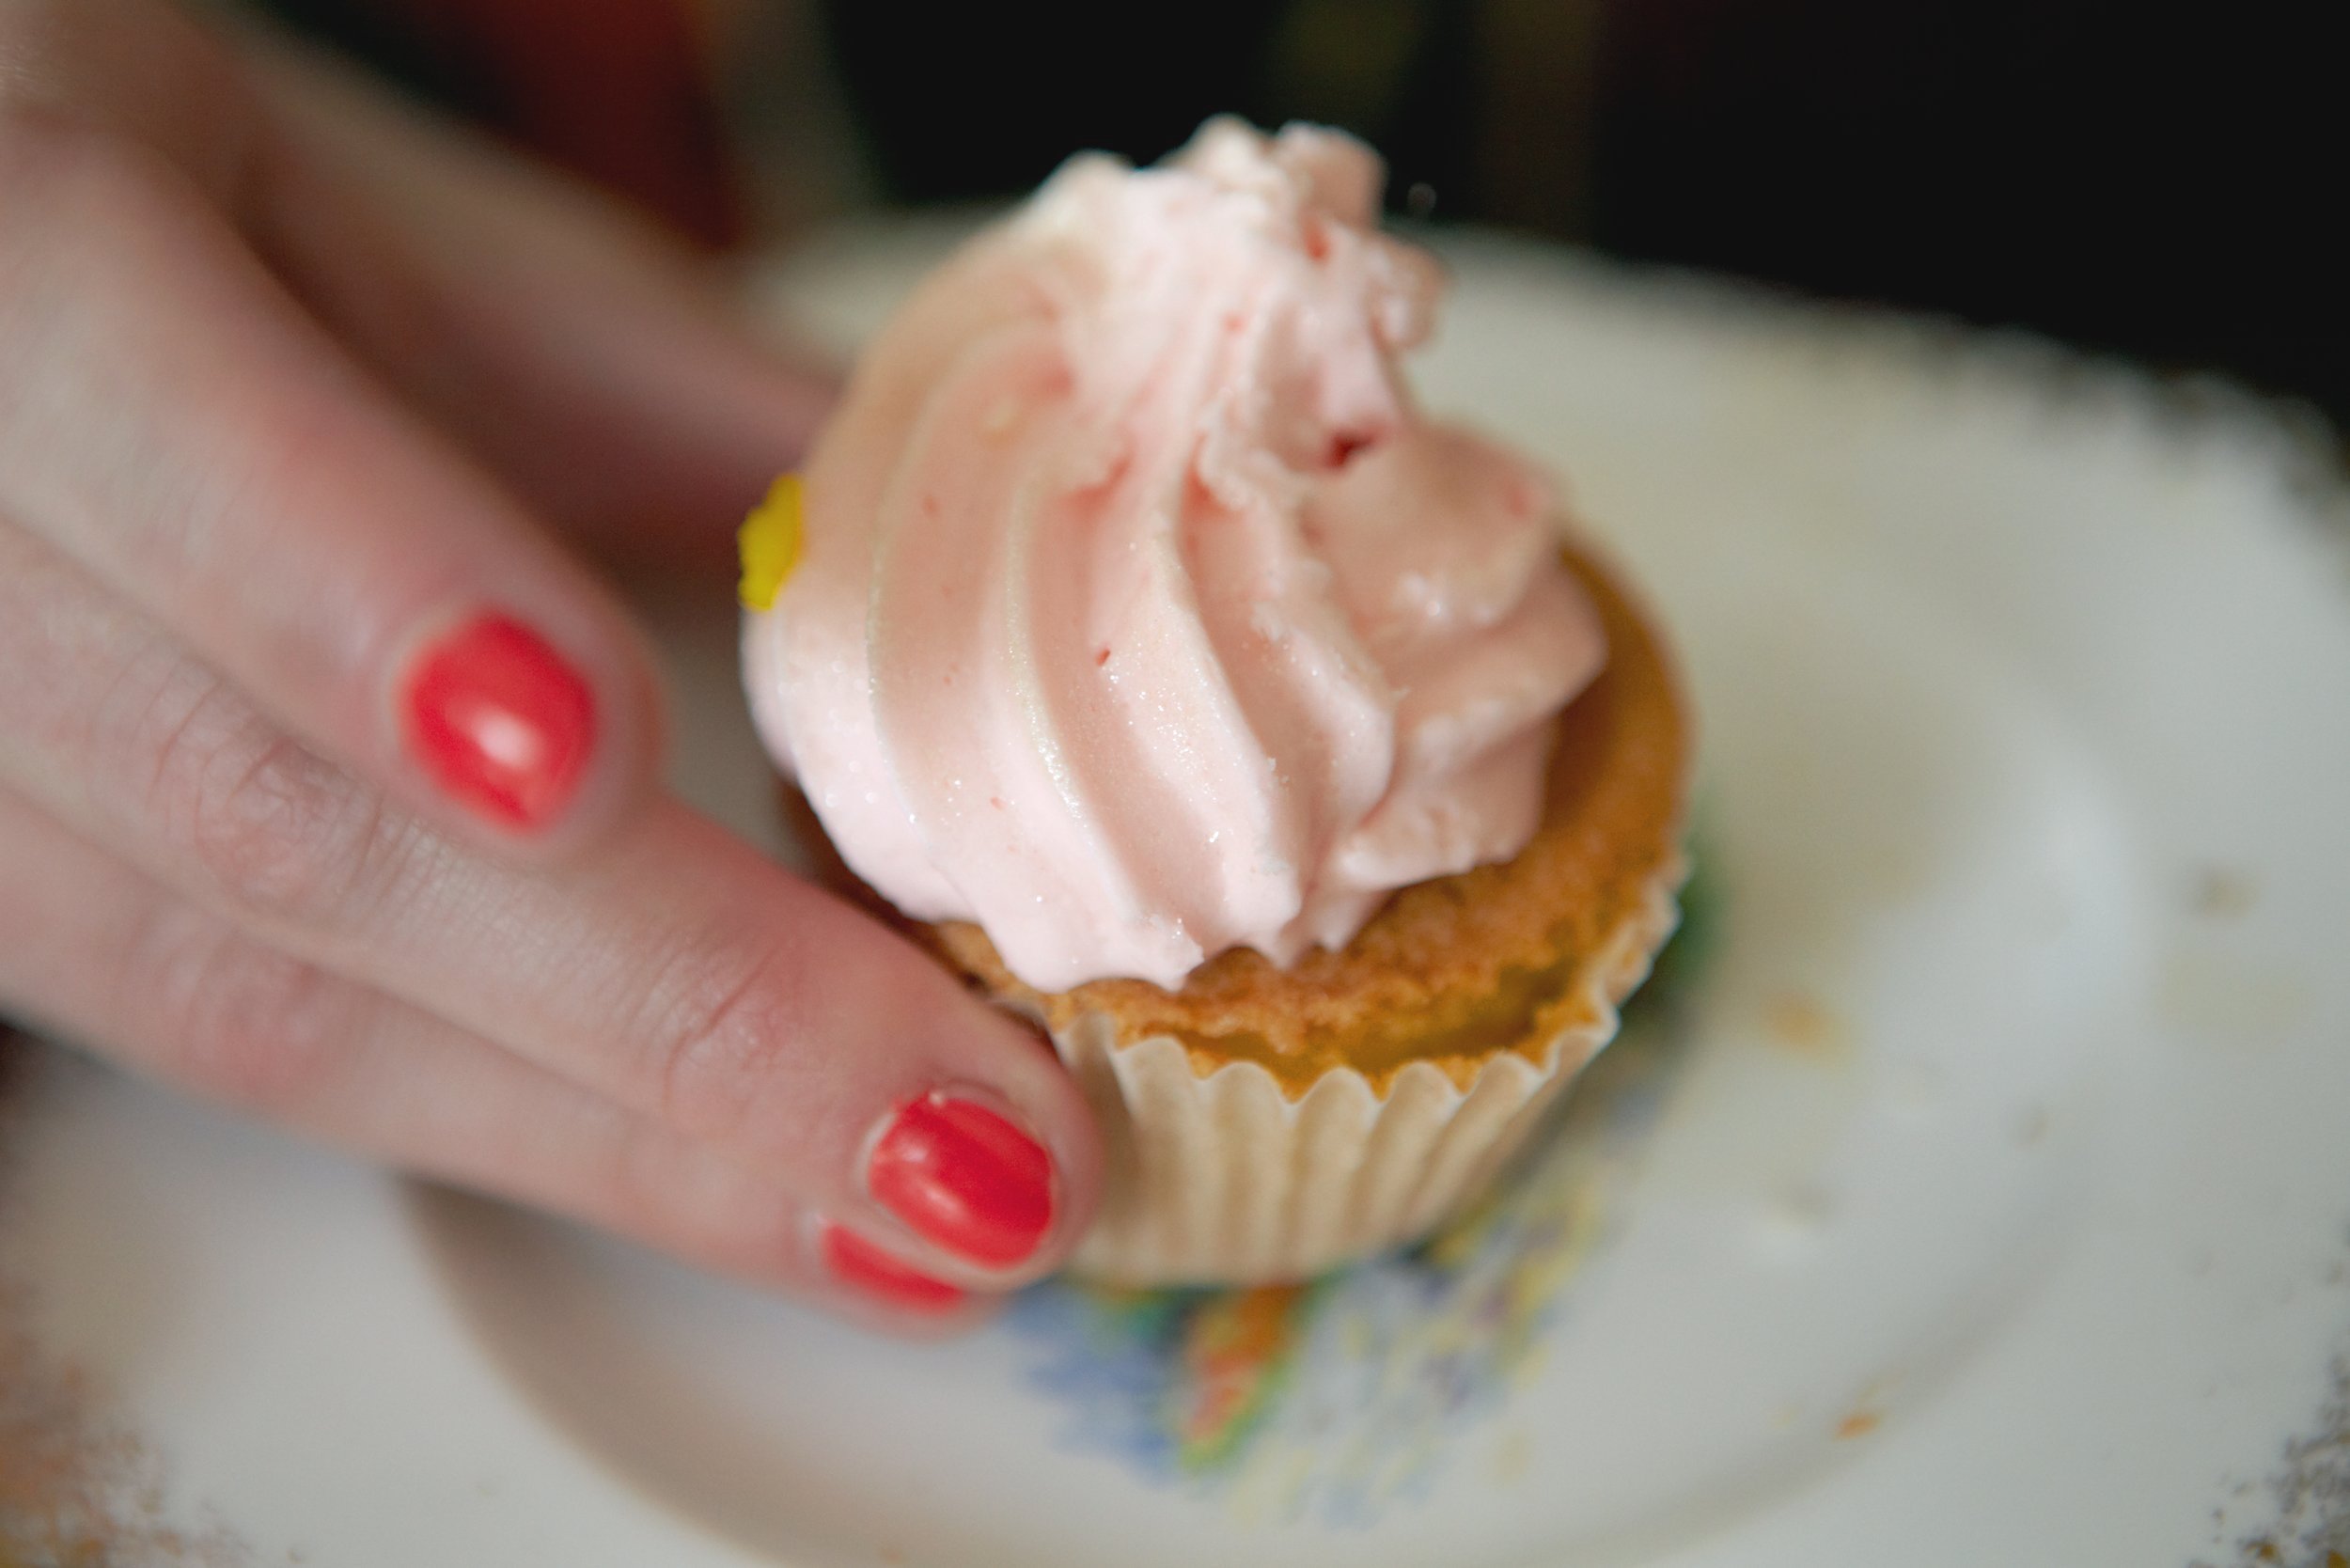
1141	614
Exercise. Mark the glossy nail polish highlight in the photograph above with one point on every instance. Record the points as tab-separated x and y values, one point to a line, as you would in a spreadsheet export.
859	1265
501	722
965	1178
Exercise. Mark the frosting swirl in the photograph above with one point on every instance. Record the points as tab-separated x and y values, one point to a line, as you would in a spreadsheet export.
1140	614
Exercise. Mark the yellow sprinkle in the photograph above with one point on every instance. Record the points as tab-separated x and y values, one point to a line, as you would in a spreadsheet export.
769	544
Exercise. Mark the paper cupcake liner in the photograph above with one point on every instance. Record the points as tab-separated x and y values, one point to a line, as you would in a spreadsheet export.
1225	1179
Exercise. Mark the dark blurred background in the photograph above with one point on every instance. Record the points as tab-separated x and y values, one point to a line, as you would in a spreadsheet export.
2154	180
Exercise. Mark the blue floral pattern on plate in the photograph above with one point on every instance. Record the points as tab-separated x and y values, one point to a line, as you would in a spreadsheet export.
1340	1398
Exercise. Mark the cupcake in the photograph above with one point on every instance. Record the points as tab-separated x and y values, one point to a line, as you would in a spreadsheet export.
1183	687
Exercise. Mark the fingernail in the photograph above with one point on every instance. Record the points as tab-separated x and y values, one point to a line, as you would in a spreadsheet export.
859	1265
964	1177
501	722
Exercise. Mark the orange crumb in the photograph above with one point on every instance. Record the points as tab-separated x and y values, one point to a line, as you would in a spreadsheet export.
2222	894
1804	1025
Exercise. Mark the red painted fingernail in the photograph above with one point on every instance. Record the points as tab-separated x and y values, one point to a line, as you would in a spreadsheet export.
857	1263
966	1178
501	721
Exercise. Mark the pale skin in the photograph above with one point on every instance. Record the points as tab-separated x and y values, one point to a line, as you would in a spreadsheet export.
293	380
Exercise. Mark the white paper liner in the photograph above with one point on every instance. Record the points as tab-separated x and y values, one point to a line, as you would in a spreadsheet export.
1226	1179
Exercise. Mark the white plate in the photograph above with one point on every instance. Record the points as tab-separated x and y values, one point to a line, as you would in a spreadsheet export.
1976	1189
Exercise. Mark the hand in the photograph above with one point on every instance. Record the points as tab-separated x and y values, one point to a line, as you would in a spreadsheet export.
328	775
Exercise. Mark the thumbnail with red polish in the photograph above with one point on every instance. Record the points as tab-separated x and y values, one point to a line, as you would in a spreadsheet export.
859	1265
966	1178
501	722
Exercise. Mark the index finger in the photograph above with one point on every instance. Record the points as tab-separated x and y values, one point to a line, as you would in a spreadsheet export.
173	420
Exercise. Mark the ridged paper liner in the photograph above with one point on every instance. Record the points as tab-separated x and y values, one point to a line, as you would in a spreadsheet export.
1225	1179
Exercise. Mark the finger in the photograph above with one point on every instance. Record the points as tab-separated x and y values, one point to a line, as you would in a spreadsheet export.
582	354
173	421
106	956
594	367
148	70
671	971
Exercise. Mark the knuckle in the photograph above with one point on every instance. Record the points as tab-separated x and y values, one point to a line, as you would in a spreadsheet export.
723	1028
255	1027
266	824
280	836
